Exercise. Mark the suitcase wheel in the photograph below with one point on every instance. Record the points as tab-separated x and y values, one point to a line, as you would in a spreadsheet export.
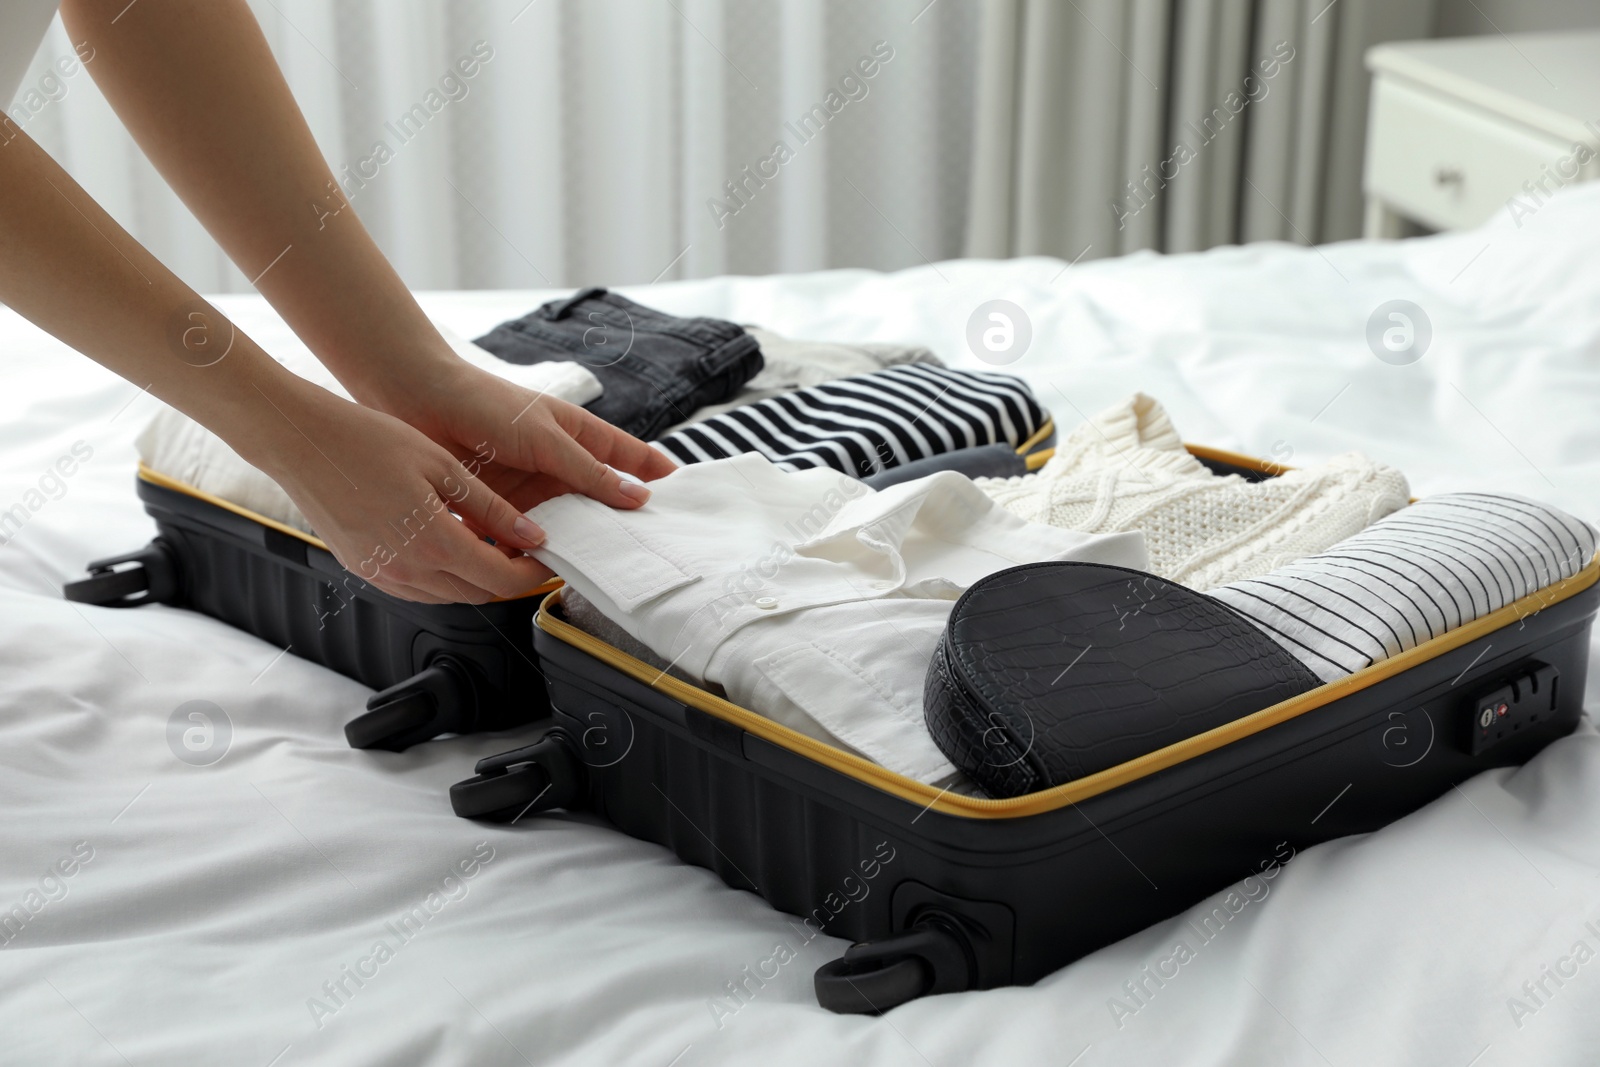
874	976
434	701
544	775
148	576
871	990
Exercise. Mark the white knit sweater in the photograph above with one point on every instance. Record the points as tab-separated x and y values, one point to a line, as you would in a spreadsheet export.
1126	469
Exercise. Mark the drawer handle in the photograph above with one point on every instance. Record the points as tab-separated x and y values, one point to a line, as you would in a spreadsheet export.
1443	176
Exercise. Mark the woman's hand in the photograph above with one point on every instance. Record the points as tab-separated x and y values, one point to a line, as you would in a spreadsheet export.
377	491
199	89
526	446
380	495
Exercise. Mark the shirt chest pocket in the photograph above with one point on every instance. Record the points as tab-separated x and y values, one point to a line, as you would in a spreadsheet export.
626	568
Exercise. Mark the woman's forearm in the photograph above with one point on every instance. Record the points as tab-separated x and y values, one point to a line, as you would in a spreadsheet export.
199	89
357	474
195	83
66	266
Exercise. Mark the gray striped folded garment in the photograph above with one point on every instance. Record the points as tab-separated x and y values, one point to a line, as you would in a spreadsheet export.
869	422
1411	576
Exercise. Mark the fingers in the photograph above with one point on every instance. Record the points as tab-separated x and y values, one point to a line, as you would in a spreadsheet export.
614	447
582	450
454	563
650	464
473	576
464	592
389	582
534	490
481	567
449	564
399	581
487	512
570	461
410	592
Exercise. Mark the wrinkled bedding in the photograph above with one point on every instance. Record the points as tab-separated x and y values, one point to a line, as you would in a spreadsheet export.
298	902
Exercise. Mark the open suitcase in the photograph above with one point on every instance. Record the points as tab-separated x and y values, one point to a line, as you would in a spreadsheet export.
439	669
944	892
453	668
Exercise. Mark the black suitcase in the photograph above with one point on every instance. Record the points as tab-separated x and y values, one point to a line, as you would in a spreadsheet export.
453	668
944	892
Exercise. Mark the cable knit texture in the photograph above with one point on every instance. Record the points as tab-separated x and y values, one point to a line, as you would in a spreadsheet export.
1126	469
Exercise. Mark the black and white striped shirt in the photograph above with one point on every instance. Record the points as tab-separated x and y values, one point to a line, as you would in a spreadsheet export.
870	422
1411	576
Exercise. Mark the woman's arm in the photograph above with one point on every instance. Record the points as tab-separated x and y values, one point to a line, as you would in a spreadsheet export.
197	85
359	475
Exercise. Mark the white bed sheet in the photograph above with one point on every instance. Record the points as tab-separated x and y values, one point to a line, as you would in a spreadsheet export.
219	899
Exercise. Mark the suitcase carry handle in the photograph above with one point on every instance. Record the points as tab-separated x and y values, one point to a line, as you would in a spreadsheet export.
154	573
539	777
874	976
436	700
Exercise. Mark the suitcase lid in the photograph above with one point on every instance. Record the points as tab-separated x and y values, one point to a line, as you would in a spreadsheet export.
154	477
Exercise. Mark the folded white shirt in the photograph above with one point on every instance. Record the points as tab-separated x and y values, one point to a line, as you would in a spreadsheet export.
806	596
177	446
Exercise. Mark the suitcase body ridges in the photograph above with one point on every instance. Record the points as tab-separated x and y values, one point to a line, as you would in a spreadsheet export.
1035	892
440	668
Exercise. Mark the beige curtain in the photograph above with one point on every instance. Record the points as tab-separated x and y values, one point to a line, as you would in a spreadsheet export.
598	142
1107	126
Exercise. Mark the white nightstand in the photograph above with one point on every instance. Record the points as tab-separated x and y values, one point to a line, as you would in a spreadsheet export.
1458	126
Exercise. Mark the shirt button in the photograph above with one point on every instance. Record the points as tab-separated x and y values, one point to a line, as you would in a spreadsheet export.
766	603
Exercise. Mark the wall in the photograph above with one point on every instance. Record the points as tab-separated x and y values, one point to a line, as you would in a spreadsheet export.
1466	18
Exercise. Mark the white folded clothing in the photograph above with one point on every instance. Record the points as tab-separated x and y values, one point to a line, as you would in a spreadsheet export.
563	379
1135	433
806	596
1126	469
177	446
1418	573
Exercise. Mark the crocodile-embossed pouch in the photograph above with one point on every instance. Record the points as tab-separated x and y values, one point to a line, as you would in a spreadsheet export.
1052	671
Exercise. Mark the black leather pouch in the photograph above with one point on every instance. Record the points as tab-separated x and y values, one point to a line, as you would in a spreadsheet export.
1052	671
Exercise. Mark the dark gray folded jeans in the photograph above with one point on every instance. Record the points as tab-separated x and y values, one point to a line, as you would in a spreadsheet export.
656	369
